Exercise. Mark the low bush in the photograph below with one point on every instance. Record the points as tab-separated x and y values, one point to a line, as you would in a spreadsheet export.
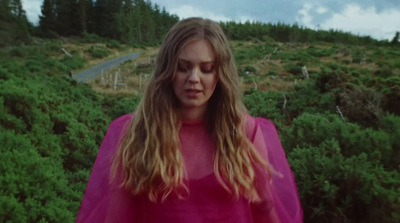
114	44
51	128
91	38
99	52
338	188
73	63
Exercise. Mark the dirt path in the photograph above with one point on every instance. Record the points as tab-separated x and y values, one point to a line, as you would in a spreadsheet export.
95	71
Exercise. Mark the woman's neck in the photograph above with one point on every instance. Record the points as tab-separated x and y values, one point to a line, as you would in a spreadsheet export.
192	115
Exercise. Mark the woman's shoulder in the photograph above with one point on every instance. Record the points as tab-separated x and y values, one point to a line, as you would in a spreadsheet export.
119	125
252	124
122	120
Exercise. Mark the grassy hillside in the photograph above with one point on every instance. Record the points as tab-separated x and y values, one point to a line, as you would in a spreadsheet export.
340	127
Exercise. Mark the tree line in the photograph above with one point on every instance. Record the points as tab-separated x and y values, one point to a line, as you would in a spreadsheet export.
295	33
129	21
14	25
140	21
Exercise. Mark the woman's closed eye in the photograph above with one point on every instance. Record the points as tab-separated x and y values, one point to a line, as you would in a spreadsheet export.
183	67
207	68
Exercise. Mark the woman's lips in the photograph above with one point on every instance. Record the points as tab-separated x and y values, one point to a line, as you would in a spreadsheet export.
192	93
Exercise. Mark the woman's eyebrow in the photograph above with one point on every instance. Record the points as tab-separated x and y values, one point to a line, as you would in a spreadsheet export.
190	62
183	60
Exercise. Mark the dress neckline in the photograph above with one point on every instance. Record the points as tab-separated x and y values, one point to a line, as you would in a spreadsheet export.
192	123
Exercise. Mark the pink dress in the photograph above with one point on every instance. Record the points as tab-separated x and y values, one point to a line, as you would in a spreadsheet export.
207	200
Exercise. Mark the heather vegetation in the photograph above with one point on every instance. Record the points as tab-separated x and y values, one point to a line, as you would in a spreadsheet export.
337	127
333	96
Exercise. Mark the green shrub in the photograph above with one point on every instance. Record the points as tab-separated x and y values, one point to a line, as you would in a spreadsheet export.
252	53
336	188
91	38
272	73
17	52
265	104
144	68
306	97
361	105
319	52
51	130
99	51
53	47
294	69
139	45
332	76
391	125
114	44
55	66
250	69
73	63
117	106
34	66
311	130
32	187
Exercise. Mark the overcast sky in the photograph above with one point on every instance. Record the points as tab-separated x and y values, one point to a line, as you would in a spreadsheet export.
379	19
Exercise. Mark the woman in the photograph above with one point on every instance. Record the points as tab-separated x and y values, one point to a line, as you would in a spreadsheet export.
190	153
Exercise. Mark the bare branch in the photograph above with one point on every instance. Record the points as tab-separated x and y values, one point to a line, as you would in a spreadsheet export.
340	112
65	52
284	101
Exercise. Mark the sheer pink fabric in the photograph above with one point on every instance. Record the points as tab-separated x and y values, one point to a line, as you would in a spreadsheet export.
284	189
207	201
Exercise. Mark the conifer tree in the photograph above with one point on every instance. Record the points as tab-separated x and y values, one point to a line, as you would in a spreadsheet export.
83	10
90	19
48	19
17	10
14	24
67	17
396	39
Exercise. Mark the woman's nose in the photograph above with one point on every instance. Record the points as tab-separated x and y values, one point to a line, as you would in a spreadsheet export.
194	75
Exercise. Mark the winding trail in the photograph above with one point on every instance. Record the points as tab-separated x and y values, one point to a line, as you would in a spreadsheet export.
95	71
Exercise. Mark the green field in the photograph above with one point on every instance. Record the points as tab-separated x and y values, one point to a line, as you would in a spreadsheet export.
340	127
346	165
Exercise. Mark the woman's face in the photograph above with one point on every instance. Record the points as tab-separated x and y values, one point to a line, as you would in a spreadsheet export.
195	78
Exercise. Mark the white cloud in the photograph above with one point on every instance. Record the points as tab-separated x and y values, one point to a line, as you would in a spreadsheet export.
321	10
186	11
354	19
33	10
305	18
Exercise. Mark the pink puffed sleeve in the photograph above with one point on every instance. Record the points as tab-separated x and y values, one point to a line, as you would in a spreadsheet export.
101	197
282	187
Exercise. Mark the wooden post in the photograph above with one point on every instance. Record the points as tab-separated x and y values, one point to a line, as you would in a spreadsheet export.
102	77
284	101
305	73
140	82
115	80
363	60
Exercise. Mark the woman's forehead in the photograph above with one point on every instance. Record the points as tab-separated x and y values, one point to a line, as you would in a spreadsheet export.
197	51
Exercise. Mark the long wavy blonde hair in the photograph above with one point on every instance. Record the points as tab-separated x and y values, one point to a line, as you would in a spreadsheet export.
149	157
